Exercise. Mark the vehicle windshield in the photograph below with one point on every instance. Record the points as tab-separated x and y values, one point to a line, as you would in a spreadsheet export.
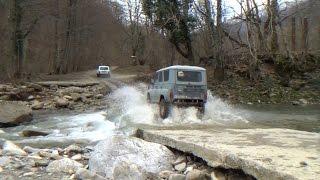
105	68
189	76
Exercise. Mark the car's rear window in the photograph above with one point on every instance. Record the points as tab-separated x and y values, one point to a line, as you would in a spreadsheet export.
103	68
189	76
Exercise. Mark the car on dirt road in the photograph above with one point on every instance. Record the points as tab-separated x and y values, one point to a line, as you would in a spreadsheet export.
103	71
181	86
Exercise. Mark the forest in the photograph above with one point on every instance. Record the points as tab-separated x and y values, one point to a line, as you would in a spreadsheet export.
256	40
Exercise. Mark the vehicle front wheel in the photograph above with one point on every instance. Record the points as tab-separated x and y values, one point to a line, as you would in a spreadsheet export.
98	75
164	109
201	110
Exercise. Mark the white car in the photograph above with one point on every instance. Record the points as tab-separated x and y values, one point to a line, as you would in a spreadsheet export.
103	71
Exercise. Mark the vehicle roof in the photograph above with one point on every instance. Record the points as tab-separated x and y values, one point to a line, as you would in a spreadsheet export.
183	67
103	66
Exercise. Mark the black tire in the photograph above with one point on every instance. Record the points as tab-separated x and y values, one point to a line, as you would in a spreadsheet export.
164	109
148	98
98	75
201	110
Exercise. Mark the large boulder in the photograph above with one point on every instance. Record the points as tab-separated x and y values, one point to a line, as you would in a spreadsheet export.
150	157
14	113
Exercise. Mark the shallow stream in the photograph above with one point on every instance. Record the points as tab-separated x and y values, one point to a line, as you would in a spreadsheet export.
129	109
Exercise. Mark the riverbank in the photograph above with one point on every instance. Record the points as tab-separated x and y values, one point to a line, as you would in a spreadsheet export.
237	88
155	162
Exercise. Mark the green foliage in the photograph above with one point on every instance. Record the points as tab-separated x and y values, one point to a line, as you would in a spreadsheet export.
3	3
173	16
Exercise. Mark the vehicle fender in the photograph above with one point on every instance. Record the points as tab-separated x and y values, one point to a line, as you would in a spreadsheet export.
165	94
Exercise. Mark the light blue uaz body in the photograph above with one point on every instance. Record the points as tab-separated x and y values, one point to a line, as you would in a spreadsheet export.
180	86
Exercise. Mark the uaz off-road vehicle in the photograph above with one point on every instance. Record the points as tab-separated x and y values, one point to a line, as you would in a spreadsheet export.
181	86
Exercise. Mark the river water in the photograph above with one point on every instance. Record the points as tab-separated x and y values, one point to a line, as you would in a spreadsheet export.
129	109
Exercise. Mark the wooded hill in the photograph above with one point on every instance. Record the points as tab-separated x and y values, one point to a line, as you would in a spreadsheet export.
70	35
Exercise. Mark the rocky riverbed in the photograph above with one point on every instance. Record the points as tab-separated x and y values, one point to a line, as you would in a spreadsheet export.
17	101
118	157
102	143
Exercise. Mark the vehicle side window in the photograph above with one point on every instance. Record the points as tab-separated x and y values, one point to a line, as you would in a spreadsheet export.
166	75
160	76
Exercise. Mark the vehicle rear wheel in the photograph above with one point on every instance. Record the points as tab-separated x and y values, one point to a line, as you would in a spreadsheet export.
164	108
148	98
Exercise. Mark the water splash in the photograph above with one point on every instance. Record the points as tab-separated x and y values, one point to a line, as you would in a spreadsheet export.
129	104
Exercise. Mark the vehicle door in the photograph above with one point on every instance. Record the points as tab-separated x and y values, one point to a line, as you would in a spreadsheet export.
153	88
165	86
158	85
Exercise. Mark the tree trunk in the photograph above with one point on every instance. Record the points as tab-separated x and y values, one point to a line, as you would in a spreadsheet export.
186	31
57	64
274	34
68	61
16	38
304	40
210	25
293	34
219	69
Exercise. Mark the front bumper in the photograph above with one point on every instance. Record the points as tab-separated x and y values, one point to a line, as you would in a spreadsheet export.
189	102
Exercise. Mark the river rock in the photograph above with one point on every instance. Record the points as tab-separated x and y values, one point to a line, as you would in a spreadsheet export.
46	154
85	174
31	133
61	103
64	165
73	149
4	97
180	167
69	98
29	149
104	89
180	160
126	171
41	162
70	90
177	177
151	157
10	149
37	105
77	157
5	160
99	96
75	97
14	113
30	98
165	174
303	101
196	174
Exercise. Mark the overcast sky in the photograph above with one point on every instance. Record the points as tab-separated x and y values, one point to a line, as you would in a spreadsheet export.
233	7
